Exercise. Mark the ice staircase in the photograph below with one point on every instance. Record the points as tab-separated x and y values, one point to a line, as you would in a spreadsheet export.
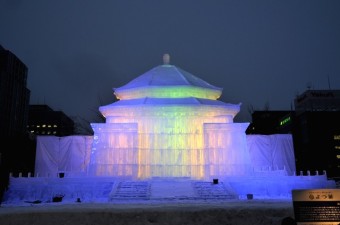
219	191
130	190
171	189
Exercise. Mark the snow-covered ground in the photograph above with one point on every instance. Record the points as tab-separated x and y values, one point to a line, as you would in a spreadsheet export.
156	201
215	212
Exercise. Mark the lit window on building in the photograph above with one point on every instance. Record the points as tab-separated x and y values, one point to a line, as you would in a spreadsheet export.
44	125
337	147
284	121
337	137
338	156
54	132
49	126
38	126
55	125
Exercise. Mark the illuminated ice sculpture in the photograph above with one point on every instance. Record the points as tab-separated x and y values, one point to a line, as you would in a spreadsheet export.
169	123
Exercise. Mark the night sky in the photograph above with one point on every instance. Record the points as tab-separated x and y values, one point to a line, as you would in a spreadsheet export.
262	53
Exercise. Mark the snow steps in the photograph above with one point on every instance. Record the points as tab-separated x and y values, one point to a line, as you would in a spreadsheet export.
153	190
136	190
208	190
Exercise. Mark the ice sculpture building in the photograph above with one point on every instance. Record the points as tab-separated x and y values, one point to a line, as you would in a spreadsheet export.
169	123
166	123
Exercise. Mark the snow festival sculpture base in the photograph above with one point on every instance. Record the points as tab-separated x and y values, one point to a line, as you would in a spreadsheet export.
169	123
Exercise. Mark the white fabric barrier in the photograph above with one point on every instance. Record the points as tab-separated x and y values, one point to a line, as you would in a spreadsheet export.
71	154
272	152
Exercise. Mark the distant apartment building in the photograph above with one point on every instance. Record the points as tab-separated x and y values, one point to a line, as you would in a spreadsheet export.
43	120
14	95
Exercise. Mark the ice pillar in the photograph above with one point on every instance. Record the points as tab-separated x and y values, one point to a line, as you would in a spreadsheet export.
226	149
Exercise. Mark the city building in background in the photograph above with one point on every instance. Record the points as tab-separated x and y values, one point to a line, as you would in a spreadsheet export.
14	95
316	131
43	120
317	100
315	128
270	122
14	104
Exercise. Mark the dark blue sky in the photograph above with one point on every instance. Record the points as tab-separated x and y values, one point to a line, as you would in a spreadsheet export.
260	52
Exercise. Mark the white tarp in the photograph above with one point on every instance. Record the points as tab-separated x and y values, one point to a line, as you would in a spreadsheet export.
272	152
71	154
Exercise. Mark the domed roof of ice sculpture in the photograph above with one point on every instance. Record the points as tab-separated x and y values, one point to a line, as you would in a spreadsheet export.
167	81
167	86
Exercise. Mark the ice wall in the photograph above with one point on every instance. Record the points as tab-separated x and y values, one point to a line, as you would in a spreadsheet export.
114	150
226	149
174	143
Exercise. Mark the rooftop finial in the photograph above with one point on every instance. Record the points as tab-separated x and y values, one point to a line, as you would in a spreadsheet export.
166	59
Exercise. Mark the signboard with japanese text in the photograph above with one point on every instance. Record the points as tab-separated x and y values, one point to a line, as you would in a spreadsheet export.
316	206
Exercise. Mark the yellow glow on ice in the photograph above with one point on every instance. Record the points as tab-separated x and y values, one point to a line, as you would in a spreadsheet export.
170	144
169	92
